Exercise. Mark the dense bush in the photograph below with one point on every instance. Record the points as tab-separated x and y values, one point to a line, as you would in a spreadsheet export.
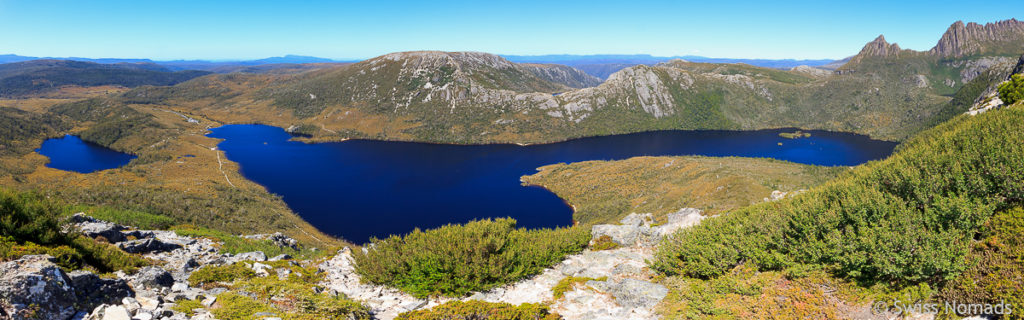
998	269
1012	91
456	259
479	310
906	219
30	224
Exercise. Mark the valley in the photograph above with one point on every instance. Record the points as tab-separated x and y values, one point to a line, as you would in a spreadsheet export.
449	185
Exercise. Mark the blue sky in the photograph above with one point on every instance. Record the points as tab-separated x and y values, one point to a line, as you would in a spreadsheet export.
186	29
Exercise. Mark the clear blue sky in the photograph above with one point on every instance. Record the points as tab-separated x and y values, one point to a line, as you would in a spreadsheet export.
185	29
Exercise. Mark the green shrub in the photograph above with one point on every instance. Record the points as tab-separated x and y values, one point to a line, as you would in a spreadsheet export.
566	284
186	306
907	219
1012	91
302	302
456	259
480	310
233	306
604	242
226	273
30	224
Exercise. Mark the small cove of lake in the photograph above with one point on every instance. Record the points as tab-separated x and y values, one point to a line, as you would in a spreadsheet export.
359	189
71	153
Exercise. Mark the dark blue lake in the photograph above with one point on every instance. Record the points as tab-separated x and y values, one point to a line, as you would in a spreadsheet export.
70	153
359	189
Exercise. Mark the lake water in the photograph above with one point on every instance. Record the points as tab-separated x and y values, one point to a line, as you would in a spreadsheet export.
359	189
70	153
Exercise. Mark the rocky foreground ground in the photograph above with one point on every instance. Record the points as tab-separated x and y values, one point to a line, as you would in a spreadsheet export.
617	283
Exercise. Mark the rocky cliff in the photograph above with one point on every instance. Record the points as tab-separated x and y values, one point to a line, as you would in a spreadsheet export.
972	38
564	75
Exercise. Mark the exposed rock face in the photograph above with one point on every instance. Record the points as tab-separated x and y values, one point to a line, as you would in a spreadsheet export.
147	246
966	39
636	229
877	48
817	72
562	74
33	287
92	291
974	68
152	277
1019	68
384	302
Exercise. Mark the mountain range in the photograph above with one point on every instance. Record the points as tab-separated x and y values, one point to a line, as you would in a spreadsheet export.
600	66
462	97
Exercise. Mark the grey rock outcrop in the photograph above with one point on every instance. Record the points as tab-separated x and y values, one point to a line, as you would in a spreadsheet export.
92	291
636	229
147	246
152	277
33	287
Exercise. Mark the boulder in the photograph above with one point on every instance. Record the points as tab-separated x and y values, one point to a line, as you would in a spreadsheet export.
33	287
251	256
92	291
283	256
105	312
147	246
96	228
152	277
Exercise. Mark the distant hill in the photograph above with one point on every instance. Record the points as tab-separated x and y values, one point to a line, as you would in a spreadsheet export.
38	76
266	65
603	65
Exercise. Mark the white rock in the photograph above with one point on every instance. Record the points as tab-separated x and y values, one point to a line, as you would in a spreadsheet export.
116	313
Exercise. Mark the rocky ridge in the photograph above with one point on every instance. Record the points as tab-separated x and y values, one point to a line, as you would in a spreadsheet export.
35	287
966	39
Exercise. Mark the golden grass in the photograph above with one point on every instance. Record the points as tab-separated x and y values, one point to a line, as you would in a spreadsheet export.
605	191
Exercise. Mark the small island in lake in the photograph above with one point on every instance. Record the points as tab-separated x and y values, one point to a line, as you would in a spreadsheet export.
795	135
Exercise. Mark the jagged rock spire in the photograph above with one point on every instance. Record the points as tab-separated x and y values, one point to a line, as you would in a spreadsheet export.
971	38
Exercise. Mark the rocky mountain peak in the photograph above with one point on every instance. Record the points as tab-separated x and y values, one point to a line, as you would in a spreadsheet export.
876	48
438	58
880	48
971	38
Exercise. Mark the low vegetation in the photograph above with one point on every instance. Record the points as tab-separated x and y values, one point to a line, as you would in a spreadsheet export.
296	295
455	260
136	219
235	244
213	274
604	242
607	191
745	293
567	284
795	135
480	310
909	219
31	224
